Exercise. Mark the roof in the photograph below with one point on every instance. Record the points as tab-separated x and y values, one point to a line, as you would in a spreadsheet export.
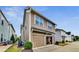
12	27
60	30
32	10
7	20
4	16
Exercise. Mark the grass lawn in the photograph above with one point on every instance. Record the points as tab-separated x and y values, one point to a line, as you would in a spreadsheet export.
63	44
13	48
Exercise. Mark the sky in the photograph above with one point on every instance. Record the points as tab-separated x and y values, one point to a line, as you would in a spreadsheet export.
66	17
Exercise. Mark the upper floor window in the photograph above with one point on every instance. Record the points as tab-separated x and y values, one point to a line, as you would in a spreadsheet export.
49	26
2	23
38	20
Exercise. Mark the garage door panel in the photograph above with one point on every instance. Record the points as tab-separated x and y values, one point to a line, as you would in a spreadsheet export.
37	39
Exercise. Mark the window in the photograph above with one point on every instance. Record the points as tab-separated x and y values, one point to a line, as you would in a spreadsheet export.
38	20
1	37
2	22
49	26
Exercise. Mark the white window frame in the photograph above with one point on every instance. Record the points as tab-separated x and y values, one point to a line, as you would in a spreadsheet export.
35	20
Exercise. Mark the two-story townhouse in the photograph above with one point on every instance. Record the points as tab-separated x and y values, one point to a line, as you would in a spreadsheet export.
37	28
60	35
11	31
73	37
69	36
5	29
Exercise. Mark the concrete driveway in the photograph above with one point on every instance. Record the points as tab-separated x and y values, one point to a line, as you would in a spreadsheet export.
47	48
72	47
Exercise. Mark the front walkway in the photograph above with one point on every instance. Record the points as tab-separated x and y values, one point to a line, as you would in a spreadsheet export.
3	48
72	47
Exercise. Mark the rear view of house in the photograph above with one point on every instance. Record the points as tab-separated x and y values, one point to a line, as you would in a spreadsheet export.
6	29
37	29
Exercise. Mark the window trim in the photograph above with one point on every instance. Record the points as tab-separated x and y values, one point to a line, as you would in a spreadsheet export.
2	38
2	22
48	25
41	20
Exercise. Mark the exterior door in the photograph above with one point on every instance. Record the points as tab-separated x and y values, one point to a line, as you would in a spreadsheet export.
49	40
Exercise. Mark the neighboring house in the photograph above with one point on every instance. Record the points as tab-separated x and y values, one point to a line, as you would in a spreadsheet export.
37	29
73	37
60	35
6	29
11	31
68	36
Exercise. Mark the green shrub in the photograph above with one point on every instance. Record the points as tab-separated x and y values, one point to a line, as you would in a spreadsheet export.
63	41
17	38
67	41
12	39
74	39
57	43
27	45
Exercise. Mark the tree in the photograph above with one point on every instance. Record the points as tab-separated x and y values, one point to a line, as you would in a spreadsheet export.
17	38
68	33
77	37
13	39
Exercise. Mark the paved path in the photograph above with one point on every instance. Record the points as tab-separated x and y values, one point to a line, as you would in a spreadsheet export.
47	48
3	48
72	47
